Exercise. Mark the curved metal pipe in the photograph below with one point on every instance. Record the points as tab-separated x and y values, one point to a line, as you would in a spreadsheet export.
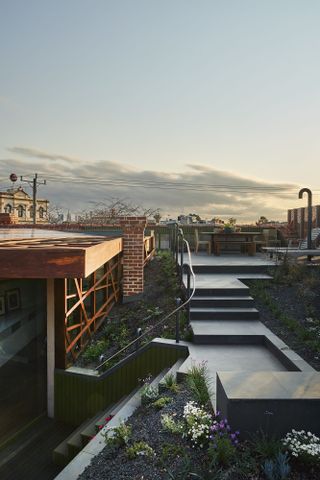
309	234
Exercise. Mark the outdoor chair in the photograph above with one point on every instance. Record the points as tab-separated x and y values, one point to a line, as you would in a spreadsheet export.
198	242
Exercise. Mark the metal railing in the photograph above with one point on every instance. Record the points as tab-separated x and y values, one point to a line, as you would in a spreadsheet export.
180	305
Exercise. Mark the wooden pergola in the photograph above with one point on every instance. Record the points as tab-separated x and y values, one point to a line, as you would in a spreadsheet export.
83	276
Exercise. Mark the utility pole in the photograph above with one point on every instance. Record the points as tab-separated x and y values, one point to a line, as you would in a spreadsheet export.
34	185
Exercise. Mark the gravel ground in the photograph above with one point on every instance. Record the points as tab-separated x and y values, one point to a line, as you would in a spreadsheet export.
289	299
113	464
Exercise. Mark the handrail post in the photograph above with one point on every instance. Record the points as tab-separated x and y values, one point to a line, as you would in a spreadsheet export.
181	251
138	335
188	293
176	242
178	303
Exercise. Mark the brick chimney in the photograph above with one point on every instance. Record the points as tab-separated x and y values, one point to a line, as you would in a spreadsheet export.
133	257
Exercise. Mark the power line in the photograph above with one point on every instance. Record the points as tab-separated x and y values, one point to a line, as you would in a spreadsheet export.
168	185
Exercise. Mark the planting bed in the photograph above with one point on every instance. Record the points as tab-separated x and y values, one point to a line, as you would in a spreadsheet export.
289	305
161	288
174	456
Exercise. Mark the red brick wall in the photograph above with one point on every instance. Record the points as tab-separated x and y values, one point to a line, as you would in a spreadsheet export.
8	218
133	256
298	218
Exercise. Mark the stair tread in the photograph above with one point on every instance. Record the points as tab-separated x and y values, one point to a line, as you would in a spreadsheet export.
222	297
223	309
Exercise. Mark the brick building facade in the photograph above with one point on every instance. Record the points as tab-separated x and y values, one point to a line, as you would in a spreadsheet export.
19	205
298	219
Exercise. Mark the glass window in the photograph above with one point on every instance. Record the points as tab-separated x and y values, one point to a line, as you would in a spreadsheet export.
21	211
8	208
23	353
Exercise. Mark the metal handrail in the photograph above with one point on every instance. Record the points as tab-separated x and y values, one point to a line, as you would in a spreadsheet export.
138	339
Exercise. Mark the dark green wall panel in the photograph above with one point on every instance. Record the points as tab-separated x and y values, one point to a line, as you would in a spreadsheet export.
78	397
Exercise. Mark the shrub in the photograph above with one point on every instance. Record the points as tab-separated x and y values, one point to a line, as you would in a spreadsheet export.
198	423
265	447
120	435
171	450
199	382
161	402
223	443
304	446
140	449
170	383
171	425
278	469
94	350
149	394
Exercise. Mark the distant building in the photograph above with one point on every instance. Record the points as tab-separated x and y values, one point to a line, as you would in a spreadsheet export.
16	202
298	219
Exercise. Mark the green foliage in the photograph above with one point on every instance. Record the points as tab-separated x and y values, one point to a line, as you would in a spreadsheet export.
120	435
265	447
168	268
222	453
199	383
172	450
94	350
171	425
161	402
123	336
170	383
139	449
149	394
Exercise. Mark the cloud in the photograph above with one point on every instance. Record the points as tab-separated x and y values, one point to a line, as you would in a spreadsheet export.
200	189
33	152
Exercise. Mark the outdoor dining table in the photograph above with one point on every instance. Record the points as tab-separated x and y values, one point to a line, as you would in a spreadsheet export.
245	240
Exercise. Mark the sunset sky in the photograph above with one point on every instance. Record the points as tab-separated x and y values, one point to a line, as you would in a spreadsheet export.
125	98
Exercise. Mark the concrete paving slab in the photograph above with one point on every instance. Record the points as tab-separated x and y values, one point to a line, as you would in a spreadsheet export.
229	327
246	358
229	260
271	385
225	280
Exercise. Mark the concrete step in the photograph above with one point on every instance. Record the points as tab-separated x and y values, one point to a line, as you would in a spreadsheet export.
69	447
230	332
222	301
73	444
99	420
214	269
223	291
223	313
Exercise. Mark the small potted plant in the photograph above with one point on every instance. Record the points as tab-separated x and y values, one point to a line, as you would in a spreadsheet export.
229	227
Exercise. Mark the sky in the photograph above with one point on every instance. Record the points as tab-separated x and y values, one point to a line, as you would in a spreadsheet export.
171	104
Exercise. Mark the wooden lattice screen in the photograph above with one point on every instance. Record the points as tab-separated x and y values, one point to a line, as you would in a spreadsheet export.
86	304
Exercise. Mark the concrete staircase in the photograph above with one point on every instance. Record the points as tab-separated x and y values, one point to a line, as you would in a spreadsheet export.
82	435
222	298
